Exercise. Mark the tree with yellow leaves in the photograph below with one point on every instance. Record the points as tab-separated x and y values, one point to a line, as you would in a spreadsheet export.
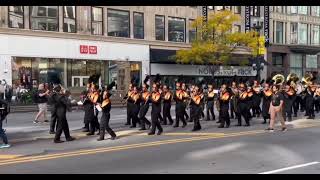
215	42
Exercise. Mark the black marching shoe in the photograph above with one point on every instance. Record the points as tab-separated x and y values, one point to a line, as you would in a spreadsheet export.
113	138
58	141
71	138
133	126
184	125
213	118
310	117
52	132
221	126
90	134
227	126
127	124
295	115
159	132
143	128
151	133
238	125
247	125
100	139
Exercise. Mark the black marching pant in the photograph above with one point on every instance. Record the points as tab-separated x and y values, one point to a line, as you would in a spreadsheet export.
53	120
104	125
245	112
167	113
62	125
196	117
142	115
210	109
155	123
310	106
224	116
180	110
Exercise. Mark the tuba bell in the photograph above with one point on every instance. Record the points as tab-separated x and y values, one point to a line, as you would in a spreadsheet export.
307	80
278	79
293	79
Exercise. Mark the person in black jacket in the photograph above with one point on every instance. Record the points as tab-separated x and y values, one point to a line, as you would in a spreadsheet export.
3	115
144	106
156	110
63	104
106	108
53	111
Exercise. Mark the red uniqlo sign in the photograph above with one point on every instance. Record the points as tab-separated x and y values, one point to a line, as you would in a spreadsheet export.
85	49
92	49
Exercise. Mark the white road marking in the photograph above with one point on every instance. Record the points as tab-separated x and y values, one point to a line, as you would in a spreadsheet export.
289	168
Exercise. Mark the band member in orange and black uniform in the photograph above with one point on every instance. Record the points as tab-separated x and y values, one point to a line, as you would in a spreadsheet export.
317	100
310	91
266	100
180	97
129	103
196	97
224	98
185	89
135	99
167	98
144	106
106	108
234	100
256	98
289	97
243	107
94	99
210	103
156	109
250	100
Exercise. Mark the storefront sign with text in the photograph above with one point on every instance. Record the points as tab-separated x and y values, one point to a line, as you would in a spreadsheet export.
228	71
85	49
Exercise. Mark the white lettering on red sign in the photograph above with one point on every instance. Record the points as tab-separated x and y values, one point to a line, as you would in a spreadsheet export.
85	49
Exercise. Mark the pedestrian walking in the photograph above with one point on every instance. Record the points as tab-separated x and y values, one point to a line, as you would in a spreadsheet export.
276	108
41	97
3	115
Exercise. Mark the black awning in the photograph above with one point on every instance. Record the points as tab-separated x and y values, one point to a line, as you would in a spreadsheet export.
162	56
305	49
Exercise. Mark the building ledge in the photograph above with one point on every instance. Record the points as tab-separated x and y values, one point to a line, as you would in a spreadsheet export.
304	49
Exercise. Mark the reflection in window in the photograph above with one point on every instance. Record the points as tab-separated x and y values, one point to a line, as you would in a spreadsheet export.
96	21
16	17
192	31
303	34
118	23
279	32
255	11
138	25
69	19
296	64
160	27
44	18
176	29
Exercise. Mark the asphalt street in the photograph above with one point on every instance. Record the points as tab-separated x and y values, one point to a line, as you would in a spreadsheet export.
178	150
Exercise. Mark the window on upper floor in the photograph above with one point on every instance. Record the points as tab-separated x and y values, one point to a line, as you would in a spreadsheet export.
294	33
16	16
315	10
69	19
303	33
255	11
192	31
96	20
237	9
311	61
279	32
278	9
219	8
303	10
160	27
44	18
293	9
138	25
118	23
176	29
277	59
211	7
315	34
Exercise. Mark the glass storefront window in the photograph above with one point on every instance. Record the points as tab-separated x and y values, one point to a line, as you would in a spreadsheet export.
160	27
279	32
296	64
44	18
96	21
311	61
303	33
118	23
138	25
16	17
176	29
277	59
69	19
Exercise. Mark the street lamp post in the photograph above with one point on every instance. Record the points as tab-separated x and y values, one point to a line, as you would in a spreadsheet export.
258	62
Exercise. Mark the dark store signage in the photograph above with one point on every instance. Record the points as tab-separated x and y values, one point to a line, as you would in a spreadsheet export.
247	18
85	49
238	71
266	24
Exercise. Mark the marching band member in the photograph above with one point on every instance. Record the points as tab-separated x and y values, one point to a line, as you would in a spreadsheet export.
224	99
289	98
94	99
298	100
210	102
190	105
106	108
256	99
134	99
144	107
196	98
156	109
84	99
129	104
243	107
234	100
180	97
266	100
185	90
167	98
310	92
317	99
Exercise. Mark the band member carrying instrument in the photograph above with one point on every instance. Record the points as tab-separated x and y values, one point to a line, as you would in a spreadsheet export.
156	108
224	99
317	99
298	100
135	99
180	97
129	104
167	98
210	103
266	99
186	94
144	106
308	80
234	100
256	98
189	104
94	98
290	94
105	118
243	107
196	98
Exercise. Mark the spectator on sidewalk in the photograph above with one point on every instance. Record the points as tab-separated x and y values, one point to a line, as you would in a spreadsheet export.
3	115
2	89
41	98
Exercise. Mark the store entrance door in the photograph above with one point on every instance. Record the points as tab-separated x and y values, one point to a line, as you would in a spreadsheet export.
79	81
